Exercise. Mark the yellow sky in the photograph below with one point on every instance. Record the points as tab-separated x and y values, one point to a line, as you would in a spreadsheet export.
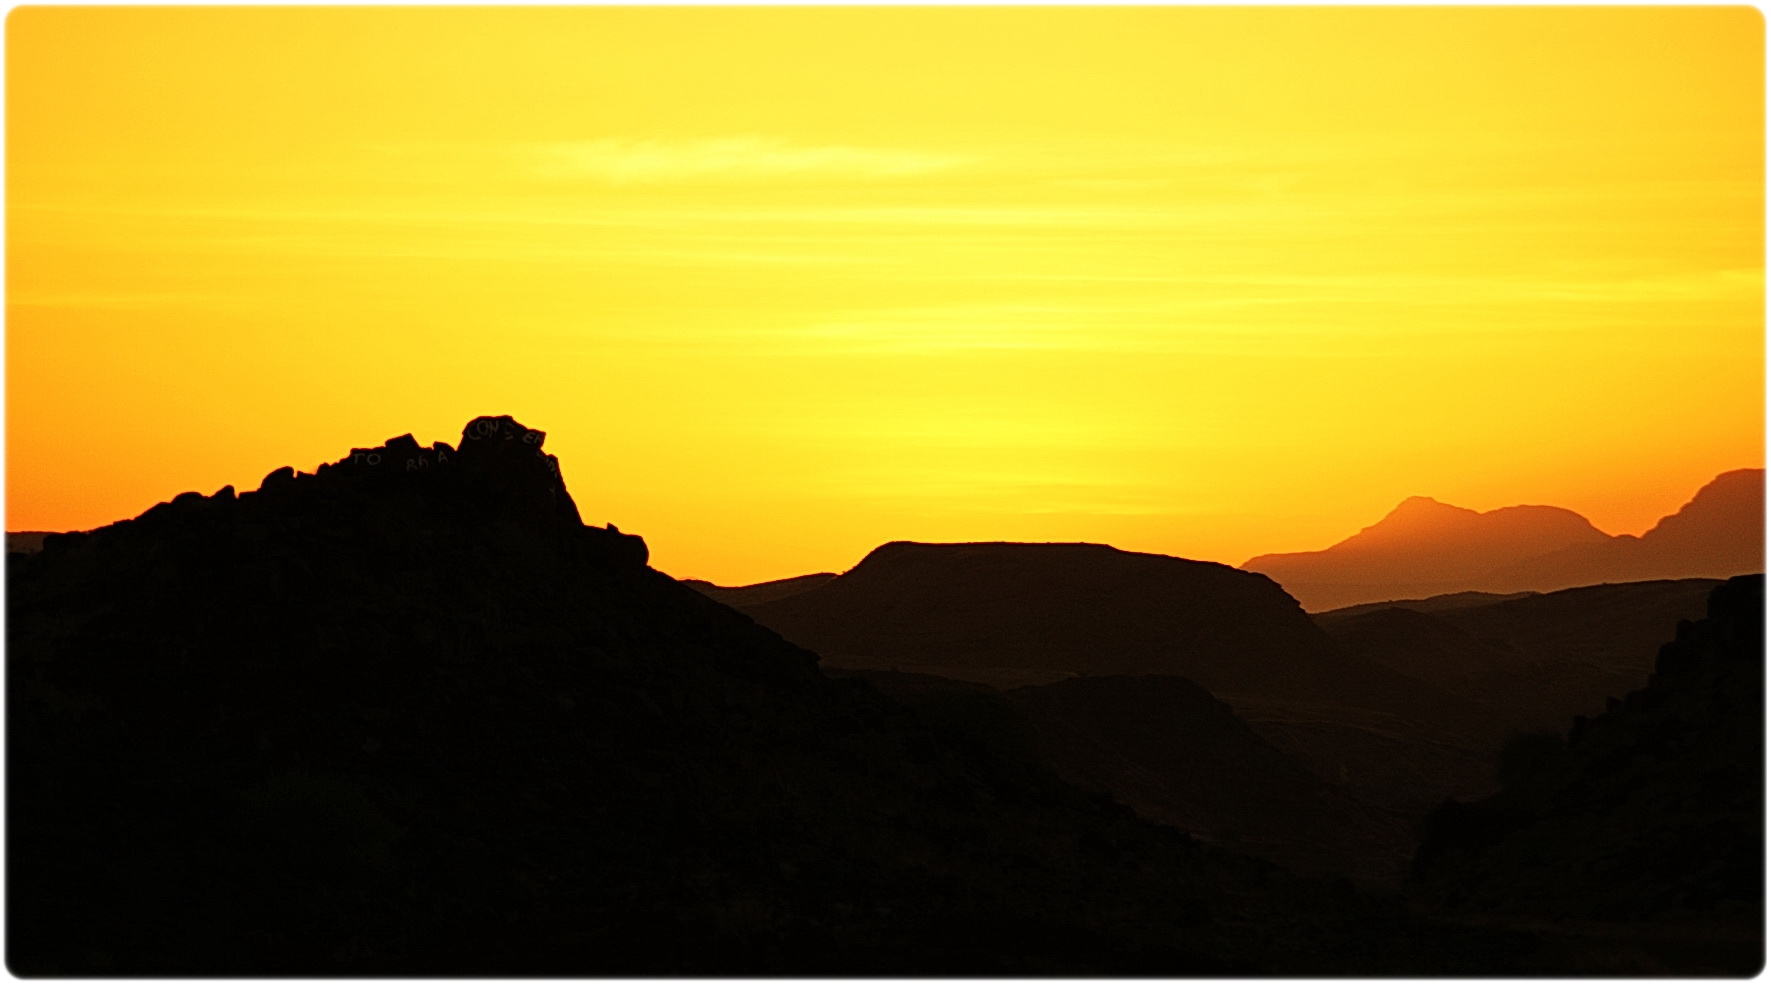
783	284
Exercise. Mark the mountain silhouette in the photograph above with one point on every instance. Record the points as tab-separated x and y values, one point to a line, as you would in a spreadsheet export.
407	715
1424	547
1639	841
1078	609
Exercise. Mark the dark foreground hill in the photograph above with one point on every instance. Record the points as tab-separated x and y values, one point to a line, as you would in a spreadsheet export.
1424	547
1640	838
408	716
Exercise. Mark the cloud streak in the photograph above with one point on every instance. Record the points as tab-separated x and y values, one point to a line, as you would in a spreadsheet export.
623	161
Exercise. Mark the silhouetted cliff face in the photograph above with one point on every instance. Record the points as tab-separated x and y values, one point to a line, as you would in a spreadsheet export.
1652	813
1427	548
407	716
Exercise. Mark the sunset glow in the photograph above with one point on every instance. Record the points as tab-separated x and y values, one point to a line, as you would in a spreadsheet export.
784	284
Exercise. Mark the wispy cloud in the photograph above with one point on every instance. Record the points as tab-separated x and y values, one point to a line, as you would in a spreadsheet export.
629	161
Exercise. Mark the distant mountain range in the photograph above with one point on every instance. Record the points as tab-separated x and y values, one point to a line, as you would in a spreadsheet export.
1425	547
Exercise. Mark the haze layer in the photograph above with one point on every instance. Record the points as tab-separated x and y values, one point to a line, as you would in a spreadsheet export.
791	283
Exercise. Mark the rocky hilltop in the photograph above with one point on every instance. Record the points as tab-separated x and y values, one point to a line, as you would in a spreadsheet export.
406	715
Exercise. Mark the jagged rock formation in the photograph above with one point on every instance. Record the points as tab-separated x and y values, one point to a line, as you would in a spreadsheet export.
406	715
1649	820
1425	548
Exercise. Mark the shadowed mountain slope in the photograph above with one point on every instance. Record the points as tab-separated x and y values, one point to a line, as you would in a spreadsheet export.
1645	831
1425	548
1014	614
1168	749
1083	609
1165	747
1537	660
1436	603
756	594
408	716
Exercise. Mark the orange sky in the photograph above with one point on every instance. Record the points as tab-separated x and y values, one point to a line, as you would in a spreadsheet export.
783	284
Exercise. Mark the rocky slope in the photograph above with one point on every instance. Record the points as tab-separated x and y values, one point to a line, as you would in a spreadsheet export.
1642	834
408	716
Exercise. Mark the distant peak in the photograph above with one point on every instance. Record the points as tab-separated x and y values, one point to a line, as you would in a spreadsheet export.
1419	507
1417	504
